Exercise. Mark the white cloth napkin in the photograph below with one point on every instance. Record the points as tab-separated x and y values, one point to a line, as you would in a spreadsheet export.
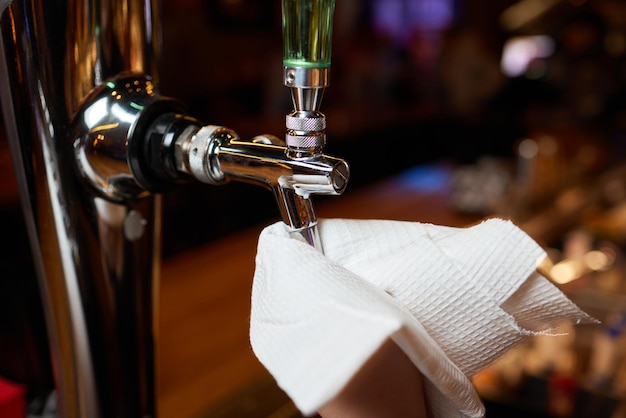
454	299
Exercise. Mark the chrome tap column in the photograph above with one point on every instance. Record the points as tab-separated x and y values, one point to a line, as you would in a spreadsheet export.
96	252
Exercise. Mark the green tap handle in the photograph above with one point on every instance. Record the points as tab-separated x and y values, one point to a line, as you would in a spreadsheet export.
307	33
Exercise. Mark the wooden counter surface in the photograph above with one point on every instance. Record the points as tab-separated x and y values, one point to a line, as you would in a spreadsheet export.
205	355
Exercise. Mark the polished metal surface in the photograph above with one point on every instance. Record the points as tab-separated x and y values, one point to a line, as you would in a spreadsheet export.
307	77
307	86
95	249
216	154
103	133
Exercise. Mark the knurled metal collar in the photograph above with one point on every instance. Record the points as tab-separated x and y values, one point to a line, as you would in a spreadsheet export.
305	141
201	154
308	124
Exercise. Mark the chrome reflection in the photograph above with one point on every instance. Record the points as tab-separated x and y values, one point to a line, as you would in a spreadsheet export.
102	134
215	154
97	275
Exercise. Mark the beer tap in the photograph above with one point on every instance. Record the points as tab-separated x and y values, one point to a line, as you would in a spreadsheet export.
307	45
172	147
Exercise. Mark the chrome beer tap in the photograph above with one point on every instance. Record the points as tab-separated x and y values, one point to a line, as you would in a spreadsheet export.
296	168
307	34
94	144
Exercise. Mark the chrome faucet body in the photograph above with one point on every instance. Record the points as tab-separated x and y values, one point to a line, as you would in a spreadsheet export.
93	144
215	154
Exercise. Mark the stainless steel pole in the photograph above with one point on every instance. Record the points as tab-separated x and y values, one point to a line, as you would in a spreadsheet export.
96	258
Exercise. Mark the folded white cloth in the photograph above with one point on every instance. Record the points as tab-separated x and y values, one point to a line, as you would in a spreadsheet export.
453	299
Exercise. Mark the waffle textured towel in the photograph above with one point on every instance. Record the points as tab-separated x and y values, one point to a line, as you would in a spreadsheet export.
454	299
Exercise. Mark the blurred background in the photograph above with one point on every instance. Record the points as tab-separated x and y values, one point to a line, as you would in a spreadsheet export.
510	107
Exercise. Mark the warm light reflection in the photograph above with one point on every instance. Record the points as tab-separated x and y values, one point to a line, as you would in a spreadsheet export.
528	148
524	12
568	270
13	26
104	127
599	260
97	139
